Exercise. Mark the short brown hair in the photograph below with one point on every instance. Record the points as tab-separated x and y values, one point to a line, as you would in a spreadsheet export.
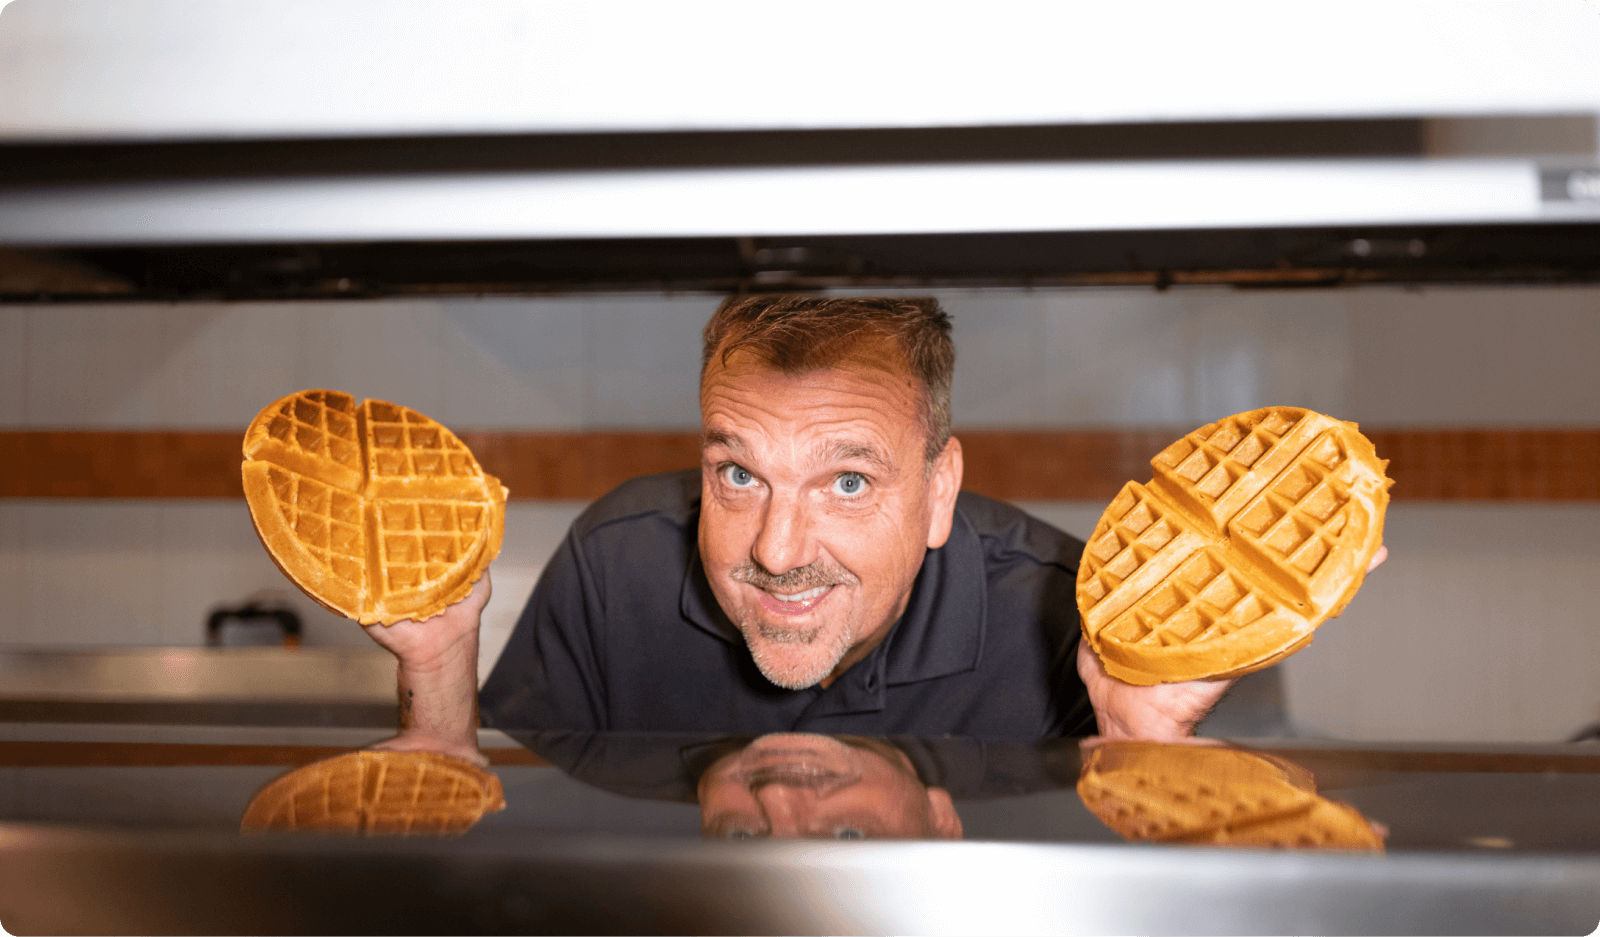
800	333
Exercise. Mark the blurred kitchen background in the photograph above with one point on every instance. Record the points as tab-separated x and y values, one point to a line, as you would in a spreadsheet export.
516	219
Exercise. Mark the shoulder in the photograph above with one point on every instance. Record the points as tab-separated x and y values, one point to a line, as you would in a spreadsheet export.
670	497
1010	534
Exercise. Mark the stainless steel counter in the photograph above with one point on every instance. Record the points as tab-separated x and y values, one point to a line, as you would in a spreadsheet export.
264	686
98	834
97	882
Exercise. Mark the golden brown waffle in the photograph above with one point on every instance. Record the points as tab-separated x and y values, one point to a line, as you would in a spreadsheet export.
377	793
376	511
1255	530
1154	791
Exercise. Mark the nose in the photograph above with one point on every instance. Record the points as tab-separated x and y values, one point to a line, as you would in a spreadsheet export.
784	541
786	807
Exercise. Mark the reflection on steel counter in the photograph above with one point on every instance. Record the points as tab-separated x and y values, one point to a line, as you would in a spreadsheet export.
806	786
1209	793
377	793
112	835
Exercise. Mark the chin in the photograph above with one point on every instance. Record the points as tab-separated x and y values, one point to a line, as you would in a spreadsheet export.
797	666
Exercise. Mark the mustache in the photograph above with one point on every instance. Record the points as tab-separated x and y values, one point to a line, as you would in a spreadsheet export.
799	579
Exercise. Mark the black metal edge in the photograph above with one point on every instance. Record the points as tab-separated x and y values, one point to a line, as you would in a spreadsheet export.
1245	258
55	163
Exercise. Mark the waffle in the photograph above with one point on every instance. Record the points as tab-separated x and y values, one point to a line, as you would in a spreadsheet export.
1213	795
377	793
1255	530
375	511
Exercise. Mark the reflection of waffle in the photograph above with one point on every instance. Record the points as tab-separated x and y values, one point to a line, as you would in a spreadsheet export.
377	793
1214	795
1255	530
376	511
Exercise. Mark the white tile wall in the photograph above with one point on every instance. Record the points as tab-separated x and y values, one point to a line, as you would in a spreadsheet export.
210	558
13	363
90	571
1001	358
512	364
1114	358
92	365
642	357
1475	629
1382	356
218	365
1481	625
1252	349
151	572
1475	356
385	350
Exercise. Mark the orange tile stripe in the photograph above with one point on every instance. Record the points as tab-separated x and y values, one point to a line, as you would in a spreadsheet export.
1428	465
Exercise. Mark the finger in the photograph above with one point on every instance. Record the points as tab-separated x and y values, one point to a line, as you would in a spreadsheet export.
1378	558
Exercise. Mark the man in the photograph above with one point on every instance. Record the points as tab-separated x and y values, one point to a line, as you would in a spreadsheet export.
821	572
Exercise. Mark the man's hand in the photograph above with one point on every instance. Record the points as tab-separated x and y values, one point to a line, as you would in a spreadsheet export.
1163	712
438	678
423	643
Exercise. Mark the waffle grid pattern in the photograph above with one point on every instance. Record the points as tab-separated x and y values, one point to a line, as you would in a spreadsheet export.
422	540
1202	599
392	793
406	444
1301	514
327	521
1138	530
1212	463
321	424
1279	484
403	538
1149	791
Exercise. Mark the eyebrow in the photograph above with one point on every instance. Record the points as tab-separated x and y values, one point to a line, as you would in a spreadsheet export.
844	450
716	437
840	450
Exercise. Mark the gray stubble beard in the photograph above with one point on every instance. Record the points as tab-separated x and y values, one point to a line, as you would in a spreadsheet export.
799	580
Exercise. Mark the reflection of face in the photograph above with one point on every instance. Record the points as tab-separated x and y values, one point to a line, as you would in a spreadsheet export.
816	509
817	787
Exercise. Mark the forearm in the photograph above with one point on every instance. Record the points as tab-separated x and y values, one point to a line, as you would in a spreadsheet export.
439	699
438	678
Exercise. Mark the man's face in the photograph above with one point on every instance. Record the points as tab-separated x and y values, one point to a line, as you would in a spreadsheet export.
816	787
816	509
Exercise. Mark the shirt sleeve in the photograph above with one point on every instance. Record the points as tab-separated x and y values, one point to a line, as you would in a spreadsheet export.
549	675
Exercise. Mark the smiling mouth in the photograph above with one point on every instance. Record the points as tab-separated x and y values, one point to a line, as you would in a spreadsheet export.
804	599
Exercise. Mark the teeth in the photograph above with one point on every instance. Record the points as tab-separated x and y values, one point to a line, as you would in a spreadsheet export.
805	598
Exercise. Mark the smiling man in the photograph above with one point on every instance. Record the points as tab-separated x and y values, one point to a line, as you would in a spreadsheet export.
821	571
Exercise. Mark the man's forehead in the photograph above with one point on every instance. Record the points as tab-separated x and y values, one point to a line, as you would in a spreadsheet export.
828	449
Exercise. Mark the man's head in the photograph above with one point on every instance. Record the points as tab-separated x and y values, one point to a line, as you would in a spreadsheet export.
828	471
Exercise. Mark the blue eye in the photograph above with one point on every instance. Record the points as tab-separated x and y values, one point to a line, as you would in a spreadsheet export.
738	476
850	483
849	832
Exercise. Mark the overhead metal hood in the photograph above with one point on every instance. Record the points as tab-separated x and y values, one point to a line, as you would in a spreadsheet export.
164	149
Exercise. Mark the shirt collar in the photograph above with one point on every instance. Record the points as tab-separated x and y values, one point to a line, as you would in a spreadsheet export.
941	632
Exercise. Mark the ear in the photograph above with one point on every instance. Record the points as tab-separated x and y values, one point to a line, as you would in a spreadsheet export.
944	483
946	822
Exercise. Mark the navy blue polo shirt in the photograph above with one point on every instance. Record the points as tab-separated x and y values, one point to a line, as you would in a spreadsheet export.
623	633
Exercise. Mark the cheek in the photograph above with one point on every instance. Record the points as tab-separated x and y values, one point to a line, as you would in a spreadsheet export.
881	545
724	538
